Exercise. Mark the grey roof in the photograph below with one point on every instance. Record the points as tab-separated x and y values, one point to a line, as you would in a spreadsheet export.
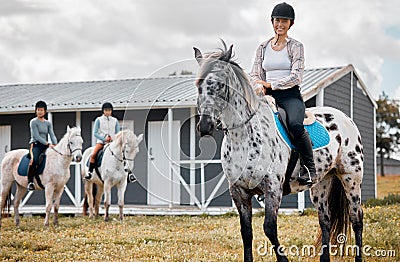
174	91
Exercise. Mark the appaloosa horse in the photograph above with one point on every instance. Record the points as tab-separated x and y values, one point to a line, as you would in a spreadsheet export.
54	177
254	156
117	163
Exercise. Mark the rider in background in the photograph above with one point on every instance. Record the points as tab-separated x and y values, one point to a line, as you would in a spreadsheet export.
105	128
40	129
278	71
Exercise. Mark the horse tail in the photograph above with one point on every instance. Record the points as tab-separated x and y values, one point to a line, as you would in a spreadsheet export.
94	192
339	209
7	205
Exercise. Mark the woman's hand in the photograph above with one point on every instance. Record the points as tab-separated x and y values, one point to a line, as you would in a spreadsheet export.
265	84
261	87
108	139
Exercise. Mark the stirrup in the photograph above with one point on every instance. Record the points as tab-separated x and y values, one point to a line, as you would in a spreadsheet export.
131	178
305	181
31	186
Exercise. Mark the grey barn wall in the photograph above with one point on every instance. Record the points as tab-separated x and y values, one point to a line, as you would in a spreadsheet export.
363	116
338	95
20	133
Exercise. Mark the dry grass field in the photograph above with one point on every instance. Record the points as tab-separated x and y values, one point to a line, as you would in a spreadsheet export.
187	238
389	184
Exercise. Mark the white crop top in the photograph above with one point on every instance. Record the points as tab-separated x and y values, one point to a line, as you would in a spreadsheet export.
276	64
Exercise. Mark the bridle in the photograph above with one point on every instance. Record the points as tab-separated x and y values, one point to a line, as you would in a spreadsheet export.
124	158
69	148
226	98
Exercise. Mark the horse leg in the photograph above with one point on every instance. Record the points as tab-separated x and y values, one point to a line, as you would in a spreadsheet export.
352	188
107	199
99	194
5	189
49	190
242	201
121	195
319	197
19	193
272	202
57	199
89	196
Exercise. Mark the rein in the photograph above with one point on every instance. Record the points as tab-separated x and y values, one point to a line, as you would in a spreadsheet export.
226	129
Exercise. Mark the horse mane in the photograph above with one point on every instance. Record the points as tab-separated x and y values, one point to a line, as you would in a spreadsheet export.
124	133
223	55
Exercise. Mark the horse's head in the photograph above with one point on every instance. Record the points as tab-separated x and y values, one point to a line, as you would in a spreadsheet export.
75	143
129	143
216	81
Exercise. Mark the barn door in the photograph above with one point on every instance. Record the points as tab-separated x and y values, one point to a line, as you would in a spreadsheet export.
161	190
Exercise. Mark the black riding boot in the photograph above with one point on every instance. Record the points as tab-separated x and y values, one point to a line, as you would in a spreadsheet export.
31	173
89	175
307	169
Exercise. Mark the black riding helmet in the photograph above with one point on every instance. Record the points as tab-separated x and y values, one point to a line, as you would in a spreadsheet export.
41	104
283	10
107	105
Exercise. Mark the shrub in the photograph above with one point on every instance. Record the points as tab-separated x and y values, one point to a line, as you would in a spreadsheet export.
390	199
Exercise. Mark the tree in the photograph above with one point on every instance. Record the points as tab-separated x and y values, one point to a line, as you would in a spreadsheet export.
387	128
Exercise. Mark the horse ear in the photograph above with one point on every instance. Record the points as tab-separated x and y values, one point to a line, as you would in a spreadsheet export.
68	128
227	55
139	138
197	54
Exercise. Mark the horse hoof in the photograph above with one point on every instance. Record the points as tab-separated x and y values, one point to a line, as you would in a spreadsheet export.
106	219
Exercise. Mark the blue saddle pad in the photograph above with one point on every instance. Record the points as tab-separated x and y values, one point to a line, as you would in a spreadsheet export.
318	134
24	164
99	158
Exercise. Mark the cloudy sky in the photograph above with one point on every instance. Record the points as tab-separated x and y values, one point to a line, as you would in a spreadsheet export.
75	40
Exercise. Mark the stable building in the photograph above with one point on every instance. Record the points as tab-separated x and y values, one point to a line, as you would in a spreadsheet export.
177	170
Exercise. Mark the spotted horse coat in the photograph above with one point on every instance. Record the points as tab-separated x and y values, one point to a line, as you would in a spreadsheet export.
254	157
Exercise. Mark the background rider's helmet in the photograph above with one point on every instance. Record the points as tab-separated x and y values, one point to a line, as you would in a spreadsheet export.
107	105
283	10
41	104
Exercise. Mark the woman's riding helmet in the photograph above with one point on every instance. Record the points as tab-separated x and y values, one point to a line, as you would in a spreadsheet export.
283	10
107	105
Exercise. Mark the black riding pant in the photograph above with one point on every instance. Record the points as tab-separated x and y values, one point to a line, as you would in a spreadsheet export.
35	151
291	100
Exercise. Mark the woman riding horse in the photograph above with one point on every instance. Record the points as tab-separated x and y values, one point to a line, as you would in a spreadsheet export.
278	71
105	128
40	130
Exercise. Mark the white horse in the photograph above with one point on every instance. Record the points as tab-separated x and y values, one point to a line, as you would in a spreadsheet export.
254	156
117	162
54	177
